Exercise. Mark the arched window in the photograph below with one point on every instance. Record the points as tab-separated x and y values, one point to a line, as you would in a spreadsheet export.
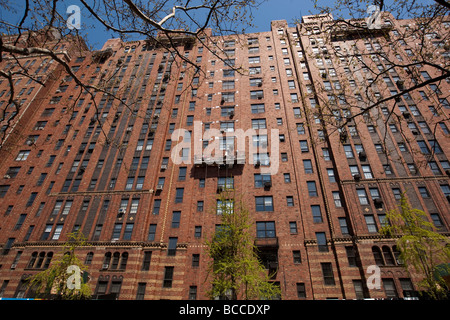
377	256
115	260
396	252
106	260
89	257
40	260
388	257
123	262
48	259
32	260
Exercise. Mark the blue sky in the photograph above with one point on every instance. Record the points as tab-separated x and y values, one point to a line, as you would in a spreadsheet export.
280	10
270	10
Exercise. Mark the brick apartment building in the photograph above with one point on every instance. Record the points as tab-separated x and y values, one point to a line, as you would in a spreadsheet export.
106	169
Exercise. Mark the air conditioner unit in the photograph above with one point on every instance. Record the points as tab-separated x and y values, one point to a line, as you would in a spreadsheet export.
357	177
378	202
257	164
267	184
121	212
6	176
362	156
159	187
14	265
219	189
105	266
164	167
231	114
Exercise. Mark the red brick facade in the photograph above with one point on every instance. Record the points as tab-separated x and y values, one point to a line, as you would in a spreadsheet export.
97	165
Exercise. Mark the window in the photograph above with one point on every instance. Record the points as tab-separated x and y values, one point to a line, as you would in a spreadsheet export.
198	232
20	221
264	203
67	207
168	277
351	256
195	260
146	261
423	147
367	172
307	165
316	214
156	206
23	155
389	288
254	60
337	199
200	206
321	241
287	177
258	108
225	182
301	290
265	229
297	256
362	196
304	146
31	199
182	173
179	195
293	227
331	175
226	206
370	222
151	232
445	189
435	146
116	231
348	151
434	167
290	201
128	231
192	292
261	179
343	225
327	272
436	219
397	193
176	216
257	94
172	247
